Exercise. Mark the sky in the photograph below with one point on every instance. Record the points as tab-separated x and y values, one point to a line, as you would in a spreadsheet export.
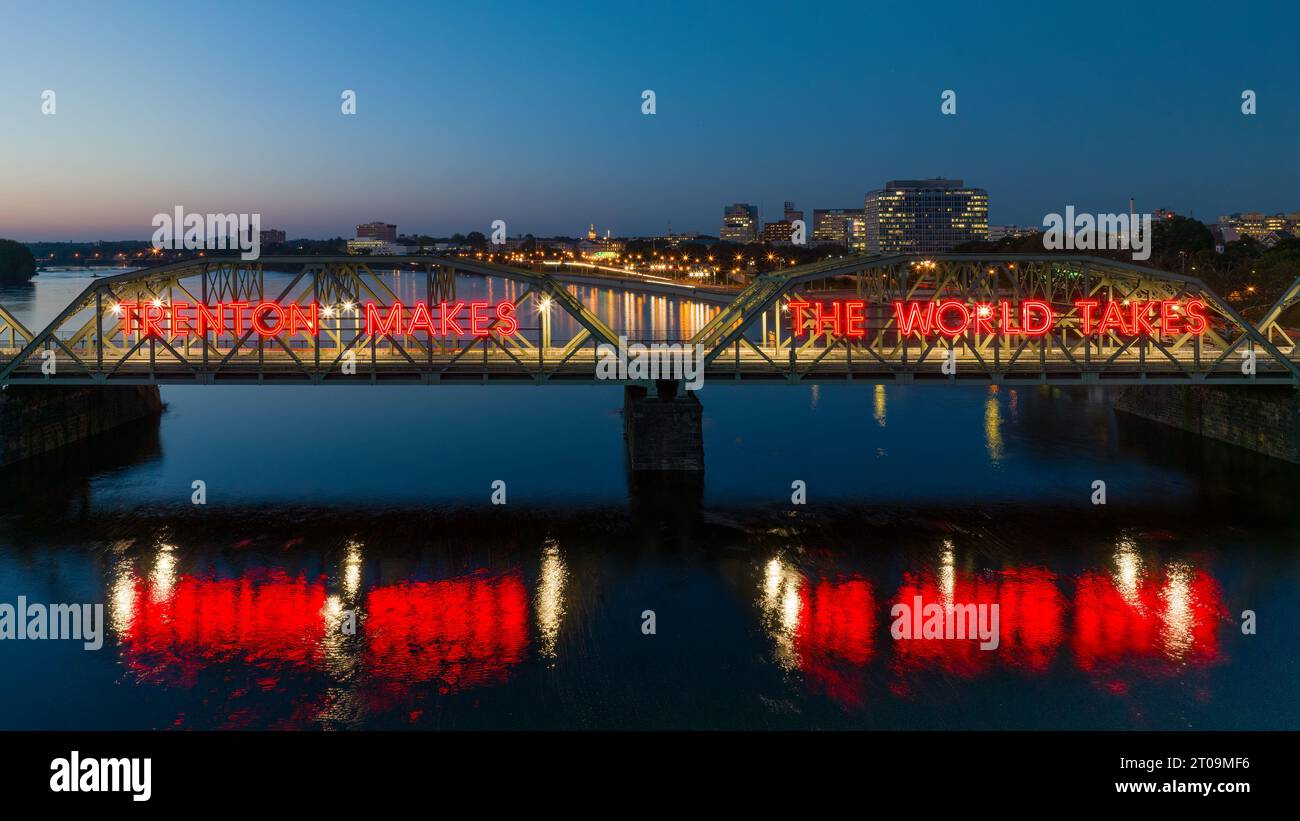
531	112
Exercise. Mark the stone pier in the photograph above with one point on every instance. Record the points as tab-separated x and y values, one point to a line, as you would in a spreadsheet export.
663	428
1264	419
36	419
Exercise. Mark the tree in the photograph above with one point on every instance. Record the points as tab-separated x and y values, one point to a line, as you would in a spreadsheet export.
1182	234
1026	244
1277	268
17	265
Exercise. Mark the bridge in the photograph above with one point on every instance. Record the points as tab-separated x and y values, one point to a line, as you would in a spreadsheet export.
124	329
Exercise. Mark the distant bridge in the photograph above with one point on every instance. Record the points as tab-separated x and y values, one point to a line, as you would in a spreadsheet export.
749	340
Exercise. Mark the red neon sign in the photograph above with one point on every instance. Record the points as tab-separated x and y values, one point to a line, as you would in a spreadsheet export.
268	319
954	318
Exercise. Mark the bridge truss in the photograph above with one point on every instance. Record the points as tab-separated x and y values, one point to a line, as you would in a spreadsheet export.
1066	354
748	341
91	343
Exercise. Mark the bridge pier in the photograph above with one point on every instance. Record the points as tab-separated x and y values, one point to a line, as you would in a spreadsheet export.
35	419
663	429
1265	419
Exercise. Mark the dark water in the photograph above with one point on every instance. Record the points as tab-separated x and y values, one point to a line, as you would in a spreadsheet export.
322	501
375	501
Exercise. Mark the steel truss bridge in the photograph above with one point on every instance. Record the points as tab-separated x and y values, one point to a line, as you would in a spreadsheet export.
746	341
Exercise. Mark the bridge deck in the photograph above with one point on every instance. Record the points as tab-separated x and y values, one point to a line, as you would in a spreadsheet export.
742	364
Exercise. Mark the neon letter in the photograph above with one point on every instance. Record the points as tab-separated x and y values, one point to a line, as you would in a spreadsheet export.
797	307
391	325
1086	307
449	319
477	319
209	317
506	314
1027	308
259	325
907	322
952	305
297	318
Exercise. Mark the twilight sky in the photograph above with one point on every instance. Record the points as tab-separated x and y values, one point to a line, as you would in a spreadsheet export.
531	112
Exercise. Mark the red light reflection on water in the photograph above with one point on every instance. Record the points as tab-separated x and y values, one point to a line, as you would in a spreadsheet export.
1160	622
835	637
266	619
462	632
1128	619
1031	614
270	632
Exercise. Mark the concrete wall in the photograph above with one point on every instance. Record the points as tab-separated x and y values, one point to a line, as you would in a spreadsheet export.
663	432
1263	419
36	419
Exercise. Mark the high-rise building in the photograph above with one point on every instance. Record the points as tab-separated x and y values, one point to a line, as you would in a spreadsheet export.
377	230
840	226
924	216
779	232
739	223
791	213
271	236
855	228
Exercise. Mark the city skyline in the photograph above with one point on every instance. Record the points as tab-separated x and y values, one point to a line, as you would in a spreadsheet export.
1280	220
535	117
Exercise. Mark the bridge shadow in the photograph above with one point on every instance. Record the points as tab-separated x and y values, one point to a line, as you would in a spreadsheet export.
1228	477
57	484
666	501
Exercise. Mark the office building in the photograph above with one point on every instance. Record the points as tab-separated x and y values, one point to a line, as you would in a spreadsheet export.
376	247
924	216
779	232
839	226
1262	227
377	230
739	223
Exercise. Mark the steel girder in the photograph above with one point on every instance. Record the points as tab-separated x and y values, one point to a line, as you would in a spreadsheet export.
745	342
